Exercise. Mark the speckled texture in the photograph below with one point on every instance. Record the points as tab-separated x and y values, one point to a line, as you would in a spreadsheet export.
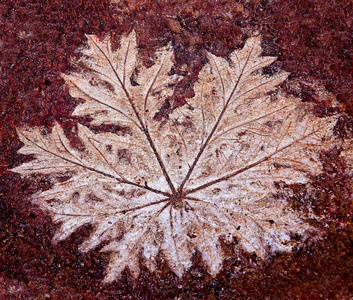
313	40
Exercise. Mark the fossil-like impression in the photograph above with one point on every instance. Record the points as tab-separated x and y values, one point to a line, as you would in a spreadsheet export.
170	188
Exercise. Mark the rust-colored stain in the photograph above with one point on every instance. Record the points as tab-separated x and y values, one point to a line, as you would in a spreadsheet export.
38	41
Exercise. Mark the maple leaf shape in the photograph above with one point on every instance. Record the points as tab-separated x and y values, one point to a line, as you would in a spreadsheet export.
178	186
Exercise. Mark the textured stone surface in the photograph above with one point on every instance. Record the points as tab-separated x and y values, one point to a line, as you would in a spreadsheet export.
312	40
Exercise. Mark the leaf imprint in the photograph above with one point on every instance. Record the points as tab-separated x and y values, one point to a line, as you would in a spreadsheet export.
177	187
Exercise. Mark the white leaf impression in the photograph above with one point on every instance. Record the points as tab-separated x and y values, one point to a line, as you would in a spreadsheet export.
179	186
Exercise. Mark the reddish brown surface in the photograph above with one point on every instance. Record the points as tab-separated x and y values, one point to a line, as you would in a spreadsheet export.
313	40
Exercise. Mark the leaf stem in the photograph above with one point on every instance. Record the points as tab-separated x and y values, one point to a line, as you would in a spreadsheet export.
124	211
205	144
81	164
233	174
143	126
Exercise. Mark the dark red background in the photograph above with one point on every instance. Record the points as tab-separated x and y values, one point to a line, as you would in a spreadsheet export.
313	40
